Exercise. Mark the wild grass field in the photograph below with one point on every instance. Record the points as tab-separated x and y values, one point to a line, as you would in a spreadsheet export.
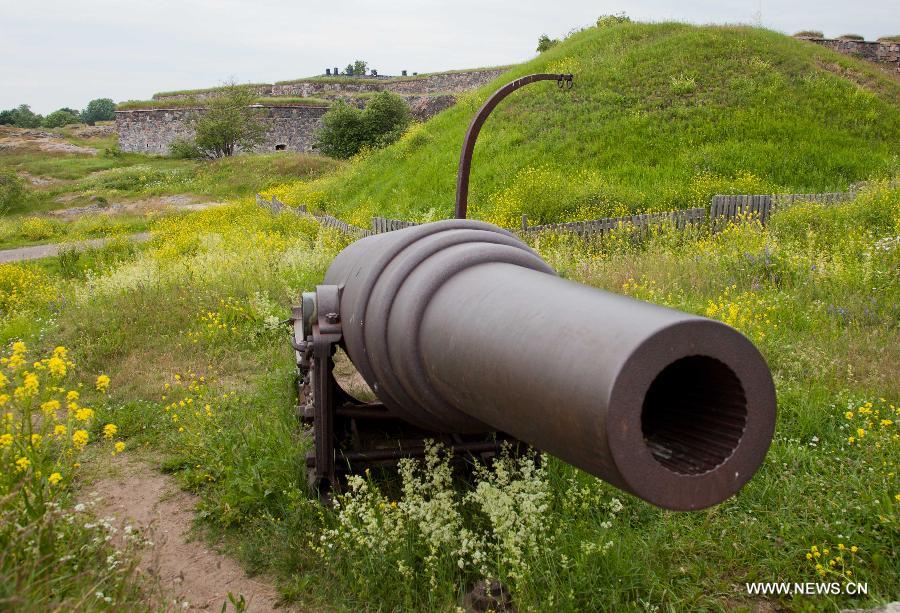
175	351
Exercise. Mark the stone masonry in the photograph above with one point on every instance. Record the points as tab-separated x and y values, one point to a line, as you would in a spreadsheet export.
882	52
293	127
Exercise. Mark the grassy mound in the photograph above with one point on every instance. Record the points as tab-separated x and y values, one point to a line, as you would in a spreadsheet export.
662	116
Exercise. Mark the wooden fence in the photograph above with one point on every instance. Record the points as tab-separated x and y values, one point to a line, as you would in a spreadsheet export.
722	209
681	218
382	224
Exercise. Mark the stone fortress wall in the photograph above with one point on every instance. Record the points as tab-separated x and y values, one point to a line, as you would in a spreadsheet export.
290	128
882	52
293	127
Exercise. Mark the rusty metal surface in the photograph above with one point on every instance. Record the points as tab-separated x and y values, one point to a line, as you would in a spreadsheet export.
459	327
468	148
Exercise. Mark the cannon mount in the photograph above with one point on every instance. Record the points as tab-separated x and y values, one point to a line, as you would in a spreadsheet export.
352	435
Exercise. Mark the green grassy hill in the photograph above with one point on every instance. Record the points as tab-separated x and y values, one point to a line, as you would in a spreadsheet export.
662	116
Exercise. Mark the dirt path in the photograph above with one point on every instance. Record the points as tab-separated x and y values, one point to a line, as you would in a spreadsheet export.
36	252
186	574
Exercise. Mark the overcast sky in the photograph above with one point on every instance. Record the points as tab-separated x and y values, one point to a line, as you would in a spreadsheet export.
57	53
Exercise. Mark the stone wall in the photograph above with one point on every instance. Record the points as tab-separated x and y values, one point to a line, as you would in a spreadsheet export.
874	51
342	87
150	131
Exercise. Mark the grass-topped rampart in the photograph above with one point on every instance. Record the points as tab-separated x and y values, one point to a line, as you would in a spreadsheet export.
662	116
181	103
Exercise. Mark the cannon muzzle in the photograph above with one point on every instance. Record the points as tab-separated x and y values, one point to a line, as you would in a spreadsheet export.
457	326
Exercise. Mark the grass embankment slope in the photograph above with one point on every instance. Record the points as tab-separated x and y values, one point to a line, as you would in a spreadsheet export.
662	116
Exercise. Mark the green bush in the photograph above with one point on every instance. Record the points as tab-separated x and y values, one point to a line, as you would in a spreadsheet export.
100	109
185	149
852	37
346	130
545	43
62	117
605	21
12	190
22	116
229	123
809	34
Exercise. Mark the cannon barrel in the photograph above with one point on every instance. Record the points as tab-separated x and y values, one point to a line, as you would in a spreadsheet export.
458	326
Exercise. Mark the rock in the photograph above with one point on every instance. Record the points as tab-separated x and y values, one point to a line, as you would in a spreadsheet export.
489	597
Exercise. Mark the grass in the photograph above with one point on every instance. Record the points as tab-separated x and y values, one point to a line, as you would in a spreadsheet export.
661	116
815	290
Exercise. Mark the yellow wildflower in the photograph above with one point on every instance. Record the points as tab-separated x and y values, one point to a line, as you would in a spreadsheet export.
60	430
886	422
80	439
50	407
61	353
22	464
36	440
29	387
84	414
6	440
109	430
54	478
854	549
3	380
860	432
57	367
102	383
15	361
72	396
19	347
4	398
120	447
849	414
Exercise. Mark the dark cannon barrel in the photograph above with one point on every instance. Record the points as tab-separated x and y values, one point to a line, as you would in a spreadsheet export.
458	326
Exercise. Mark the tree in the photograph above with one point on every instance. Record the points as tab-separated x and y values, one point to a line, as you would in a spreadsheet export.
229	123
101	109
61	117
545	42
385	119
22	116
357	68
346	129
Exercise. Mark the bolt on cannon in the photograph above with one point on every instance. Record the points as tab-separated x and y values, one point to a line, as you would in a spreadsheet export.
467	336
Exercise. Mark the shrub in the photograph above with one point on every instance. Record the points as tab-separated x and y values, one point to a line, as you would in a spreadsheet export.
22	116
12	190
357	68
228	123
605	21
346	130
184	149
882	39
810	34
62	117
38	228
852	37
545	43
100	109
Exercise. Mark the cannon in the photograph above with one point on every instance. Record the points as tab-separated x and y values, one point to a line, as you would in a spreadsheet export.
466	335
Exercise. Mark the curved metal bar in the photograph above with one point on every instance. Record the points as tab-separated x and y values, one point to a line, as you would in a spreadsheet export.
465	158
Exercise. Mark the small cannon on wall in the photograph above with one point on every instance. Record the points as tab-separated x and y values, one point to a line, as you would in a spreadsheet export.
467	337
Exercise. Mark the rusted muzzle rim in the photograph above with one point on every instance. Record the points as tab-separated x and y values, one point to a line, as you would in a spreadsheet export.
692	415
